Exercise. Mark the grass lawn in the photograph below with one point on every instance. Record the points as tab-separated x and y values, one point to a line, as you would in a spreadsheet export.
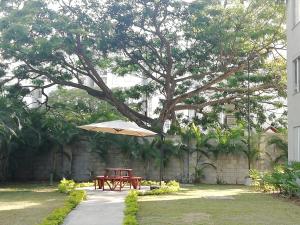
27	204
217	205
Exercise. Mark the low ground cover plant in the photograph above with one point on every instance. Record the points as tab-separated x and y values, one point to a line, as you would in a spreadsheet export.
284	179
85	184
131	204
131	209
165	188
75	197
66	186
149	183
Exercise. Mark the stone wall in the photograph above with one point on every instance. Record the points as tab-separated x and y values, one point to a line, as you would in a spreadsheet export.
80	163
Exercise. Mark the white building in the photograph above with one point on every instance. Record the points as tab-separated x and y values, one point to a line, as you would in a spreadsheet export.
293	66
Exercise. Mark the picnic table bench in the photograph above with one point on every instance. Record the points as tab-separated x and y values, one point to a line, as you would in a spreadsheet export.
117	178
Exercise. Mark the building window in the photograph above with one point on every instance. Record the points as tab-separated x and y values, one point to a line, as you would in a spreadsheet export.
296	11
297	143
296	75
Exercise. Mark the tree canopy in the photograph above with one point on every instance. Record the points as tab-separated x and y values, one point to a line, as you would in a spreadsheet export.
191	56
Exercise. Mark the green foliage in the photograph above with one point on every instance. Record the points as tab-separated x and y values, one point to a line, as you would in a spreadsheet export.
78	107
166	188
254	174
131	147
15	119
131	209
137	148
173	184
169	149
281	144
149	183
234	141
58	215
199	171
66	186
284	178
203	148
75	197
84	184
191	55
225	141
253	151
256	178
27	132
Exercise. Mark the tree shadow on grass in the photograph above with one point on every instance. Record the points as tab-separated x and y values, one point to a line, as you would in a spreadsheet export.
29	215
27	207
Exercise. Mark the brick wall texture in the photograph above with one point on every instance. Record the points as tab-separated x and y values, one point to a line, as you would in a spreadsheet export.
80	163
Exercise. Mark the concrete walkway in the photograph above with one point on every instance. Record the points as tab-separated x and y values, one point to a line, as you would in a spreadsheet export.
100	208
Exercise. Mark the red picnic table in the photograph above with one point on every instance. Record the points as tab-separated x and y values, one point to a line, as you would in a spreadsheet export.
117	178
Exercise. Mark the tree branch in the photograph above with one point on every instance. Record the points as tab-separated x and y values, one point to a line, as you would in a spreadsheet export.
203	105
208	85
147	73
242	90
4	81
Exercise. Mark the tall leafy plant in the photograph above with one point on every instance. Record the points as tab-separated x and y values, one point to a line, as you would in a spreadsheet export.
202	147
251	150
13	118
226	141
281	145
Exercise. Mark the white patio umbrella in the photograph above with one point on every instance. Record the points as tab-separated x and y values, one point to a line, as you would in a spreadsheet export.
123	128
119	127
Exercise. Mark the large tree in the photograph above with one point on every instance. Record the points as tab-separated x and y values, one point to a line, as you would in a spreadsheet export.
192	56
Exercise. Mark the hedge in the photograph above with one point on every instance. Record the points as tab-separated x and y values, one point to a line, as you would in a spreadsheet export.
75	197
131	209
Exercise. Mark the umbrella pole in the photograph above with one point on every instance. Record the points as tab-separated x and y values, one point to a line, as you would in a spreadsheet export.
161	160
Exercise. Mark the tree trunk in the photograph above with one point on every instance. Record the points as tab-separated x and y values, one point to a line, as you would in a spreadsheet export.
62	161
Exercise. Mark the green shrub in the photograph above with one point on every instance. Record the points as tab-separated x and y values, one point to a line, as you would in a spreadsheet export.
84	184
282	179
149	183
254	174
130	220
168	188
131	209
66	186
58	215
173	184
75	197
256	178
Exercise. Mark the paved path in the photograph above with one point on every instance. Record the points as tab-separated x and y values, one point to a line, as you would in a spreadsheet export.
100	208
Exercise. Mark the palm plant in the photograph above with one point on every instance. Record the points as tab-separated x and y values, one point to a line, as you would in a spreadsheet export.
231	142
12	119
58	132
281	144
201	148
169	149
253	151
227	141
148	152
